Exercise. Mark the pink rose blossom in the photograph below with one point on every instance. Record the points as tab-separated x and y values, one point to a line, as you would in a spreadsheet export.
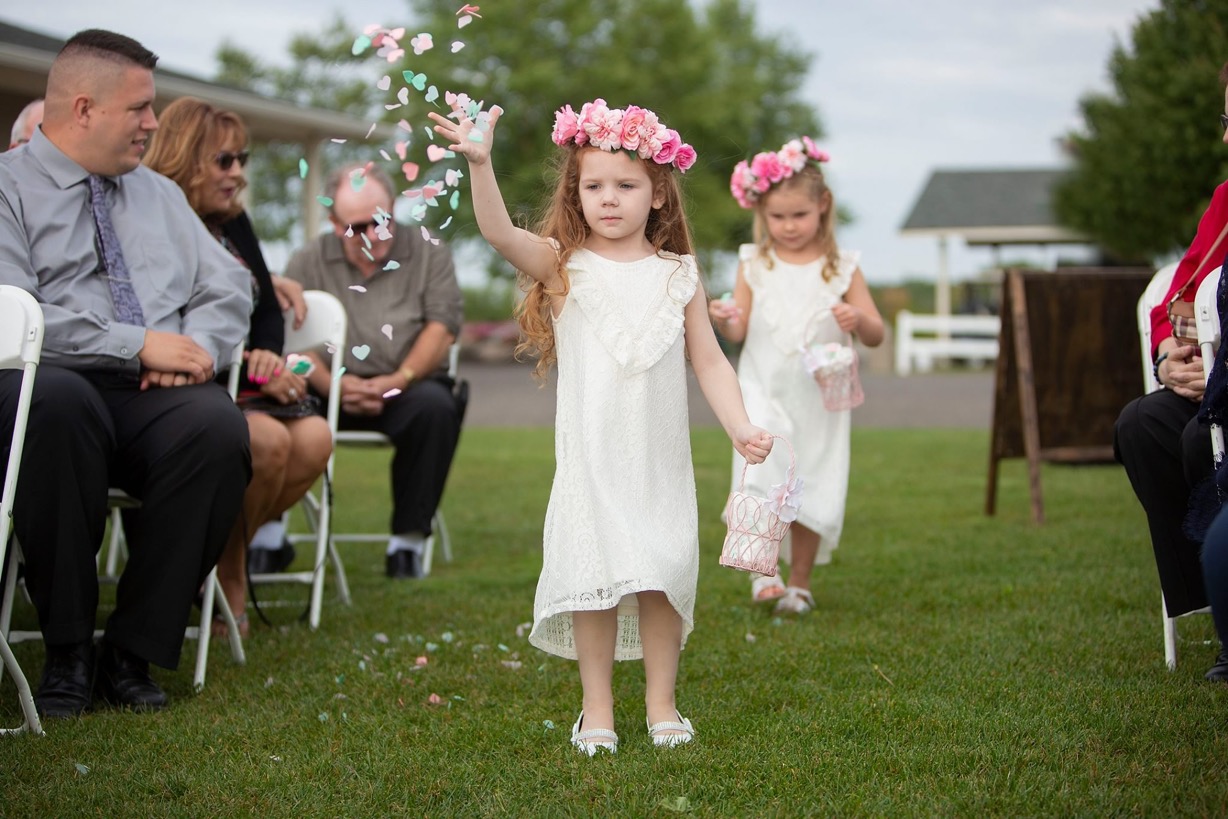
603	126
632	127
566	125
768	166
684	158
669	147
793	155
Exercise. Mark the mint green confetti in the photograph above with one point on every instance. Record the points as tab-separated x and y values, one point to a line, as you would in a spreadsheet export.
361	43
357	181
454	200
302	169
392	264
325	201
81	769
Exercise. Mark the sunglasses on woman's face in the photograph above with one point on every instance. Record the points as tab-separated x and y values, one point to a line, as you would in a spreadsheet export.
225	159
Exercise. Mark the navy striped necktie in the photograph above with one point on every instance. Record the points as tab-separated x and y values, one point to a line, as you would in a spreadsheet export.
123	295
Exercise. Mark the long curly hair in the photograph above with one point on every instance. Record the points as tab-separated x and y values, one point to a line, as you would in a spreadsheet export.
563	221
810	182
190	134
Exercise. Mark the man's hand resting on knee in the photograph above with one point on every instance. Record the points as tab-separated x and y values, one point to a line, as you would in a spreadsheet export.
172	360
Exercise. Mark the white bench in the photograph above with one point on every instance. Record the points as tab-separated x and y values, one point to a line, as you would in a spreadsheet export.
920	338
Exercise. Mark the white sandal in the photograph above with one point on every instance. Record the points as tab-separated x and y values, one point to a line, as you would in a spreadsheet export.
765	589
661	740
594	739
796	601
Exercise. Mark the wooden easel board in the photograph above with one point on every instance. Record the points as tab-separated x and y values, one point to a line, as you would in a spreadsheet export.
1067	364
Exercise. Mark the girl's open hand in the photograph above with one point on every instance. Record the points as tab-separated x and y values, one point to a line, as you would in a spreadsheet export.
752	443
472	140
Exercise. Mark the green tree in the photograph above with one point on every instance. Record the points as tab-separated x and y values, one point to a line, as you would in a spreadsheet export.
322	73
1147	158
728	89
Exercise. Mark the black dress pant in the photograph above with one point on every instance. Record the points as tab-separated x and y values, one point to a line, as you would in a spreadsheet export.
1166	453
182	451
423	423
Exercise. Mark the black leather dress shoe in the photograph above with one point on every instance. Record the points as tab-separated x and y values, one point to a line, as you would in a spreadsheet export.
1219	671
270	561
403	563
68	680
123	680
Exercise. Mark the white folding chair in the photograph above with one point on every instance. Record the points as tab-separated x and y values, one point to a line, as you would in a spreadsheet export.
1206	318
117	501
21	345
324	327
439	526
1152	296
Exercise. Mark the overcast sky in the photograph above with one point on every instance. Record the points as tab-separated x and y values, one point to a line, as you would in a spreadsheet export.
902	87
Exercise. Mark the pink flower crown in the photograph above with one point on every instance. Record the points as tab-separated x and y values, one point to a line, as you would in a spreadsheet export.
752	179
631	129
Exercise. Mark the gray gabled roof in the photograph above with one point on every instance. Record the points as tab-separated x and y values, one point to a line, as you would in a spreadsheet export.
26	56
990	207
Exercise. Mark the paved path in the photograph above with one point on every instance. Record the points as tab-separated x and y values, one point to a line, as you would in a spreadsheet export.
505	394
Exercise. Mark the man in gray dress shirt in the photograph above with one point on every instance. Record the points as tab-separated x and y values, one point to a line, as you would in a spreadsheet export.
125	394
404	309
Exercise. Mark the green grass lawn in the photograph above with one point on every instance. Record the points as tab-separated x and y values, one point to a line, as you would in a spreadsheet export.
956	665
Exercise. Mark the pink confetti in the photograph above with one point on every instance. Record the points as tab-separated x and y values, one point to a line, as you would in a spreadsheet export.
423	42
435	153
410	169
464	21
387	331
405	126
457	45
392	393
421	661
370	131
358	288
339	140
427	237
434	699
468	9
385	155
402	148
452	177
403	95
385	82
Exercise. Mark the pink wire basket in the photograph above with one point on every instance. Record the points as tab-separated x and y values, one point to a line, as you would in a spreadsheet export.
834	368
752	543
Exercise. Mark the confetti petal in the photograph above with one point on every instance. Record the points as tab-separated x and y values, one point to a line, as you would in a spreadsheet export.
302	169
454	200
432	94
385	82
457	45
435	153
410	169
325	201
445	224
434	699
464	21
392	393
361	352
358	288
361	43
387	331
403	95
392	264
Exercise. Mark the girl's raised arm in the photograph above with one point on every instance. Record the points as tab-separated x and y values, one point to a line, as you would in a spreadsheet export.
526	251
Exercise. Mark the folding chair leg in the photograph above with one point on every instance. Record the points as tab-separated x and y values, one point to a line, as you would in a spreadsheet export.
214	595
28	712
445	540
1170	636
117	543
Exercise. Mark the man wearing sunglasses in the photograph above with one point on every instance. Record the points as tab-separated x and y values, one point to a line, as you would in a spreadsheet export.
404	310
140	305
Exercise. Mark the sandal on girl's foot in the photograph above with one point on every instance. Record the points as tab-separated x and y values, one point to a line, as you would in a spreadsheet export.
594	739
764	589
680	732
796	601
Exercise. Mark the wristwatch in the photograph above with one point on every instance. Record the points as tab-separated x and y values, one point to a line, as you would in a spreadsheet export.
1155	370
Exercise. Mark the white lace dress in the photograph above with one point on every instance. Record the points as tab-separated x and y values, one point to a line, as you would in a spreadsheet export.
791	306
622	516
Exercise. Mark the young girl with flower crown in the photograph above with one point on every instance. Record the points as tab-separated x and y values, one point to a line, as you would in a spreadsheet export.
613	297
795	289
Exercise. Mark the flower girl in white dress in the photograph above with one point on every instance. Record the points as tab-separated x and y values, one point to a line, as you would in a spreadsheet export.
614	298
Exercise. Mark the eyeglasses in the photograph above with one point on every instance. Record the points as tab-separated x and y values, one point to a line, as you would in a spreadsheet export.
1223	120
225	159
